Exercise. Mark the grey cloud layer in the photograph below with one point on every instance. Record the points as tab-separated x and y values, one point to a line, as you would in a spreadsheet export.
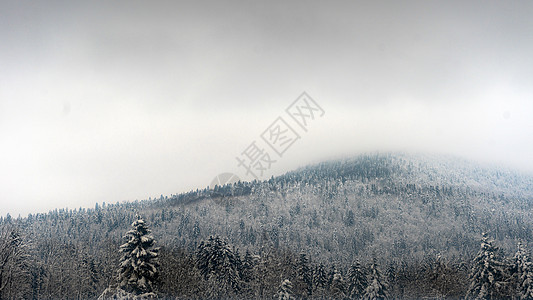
124	99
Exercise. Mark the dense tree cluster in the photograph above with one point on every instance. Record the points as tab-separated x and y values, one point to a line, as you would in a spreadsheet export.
14	264
375	226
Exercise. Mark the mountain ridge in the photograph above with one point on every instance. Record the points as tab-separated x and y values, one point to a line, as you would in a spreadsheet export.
397	210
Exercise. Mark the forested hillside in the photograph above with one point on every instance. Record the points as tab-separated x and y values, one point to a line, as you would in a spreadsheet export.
395	225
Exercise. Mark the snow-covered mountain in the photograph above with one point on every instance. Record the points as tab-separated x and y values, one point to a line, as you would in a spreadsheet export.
393	209
386	205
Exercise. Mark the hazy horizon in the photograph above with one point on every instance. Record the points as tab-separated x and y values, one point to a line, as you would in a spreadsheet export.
106	102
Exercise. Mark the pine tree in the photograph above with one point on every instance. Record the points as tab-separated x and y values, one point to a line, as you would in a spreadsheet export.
90	280
331	274
441	278
488	272
138	265
523	269
320	278
338	286
390	277
248	264
285	290
304	273
218	264
377	288
357	281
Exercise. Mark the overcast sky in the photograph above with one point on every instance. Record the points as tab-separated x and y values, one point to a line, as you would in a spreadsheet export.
124	100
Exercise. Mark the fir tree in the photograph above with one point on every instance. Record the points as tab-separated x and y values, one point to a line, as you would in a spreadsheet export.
331	274
338	286
138	265
488	272
523	269
248	264
390	277
285	290
440	278
377	288
91	276
357	281
320	278
304	273
218	264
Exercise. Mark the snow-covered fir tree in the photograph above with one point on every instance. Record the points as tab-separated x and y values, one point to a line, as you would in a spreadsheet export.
523	269
320	277
391	277
139	261
338	286
439	276
356	281
285	290
219	266
304	274
248	264
90	278
331	274
488	272
320	282
377	287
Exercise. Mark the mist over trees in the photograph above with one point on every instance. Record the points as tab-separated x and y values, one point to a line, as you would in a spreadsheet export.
374	227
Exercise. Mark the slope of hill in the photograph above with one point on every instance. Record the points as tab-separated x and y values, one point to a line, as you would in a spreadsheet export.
385	205
394	208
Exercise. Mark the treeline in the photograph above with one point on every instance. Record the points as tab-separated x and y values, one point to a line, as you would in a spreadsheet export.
221	272
216	269
403	212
